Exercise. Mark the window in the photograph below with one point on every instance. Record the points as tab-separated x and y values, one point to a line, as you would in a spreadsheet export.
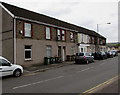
49	51
82	38
48	33
27	29
4	62
93	40
58	34
63	35
79	54
89	41
28	53
72	51
71	36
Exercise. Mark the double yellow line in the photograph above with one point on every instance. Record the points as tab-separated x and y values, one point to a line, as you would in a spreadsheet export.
92	90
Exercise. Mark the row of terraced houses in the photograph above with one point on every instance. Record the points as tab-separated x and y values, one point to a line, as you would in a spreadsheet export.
27	37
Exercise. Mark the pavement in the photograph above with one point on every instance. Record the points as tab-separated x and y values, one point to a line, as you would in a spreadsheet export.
42	68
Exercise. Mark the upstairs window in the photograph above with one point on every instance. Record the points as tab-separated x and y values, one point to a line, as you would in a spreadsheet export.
48	36
63	35
58	34
27	29
93	40
82	38
71	36
88	39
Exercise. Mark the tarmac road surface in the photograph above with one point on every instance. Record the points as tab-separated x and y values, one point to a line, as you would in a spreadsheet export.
68	79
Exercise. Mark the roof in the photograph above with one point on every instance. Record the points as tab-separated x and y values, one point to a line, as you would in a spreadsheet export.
20	12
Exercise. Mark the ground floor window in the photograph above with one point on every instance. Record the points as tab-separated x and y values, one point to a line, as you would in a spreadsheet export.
48	51
72	51
28	52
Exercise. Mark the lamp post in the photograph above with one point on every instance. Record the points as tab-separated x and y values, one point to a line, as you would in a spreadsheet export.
98	26
97	46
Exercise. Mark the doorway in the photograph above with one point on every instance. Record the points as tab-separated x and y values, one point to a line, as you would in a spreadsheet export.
63	54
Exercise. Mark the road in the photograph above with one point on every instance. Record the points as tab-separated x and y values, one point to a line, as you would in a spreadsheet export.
68	79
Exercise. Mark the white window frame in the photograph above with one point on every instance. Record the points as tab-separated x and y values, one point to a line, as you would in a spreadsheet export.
28	59
63	35
58	34
48	33
71	36
82	37
50	48
27	30
93	40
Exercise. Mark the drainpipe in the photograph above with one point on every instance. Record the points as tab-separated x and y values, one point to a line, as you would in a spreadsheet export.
14	38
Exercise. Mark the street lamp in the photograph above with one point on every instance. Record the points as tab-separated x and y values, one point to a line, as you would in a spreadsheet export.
98	26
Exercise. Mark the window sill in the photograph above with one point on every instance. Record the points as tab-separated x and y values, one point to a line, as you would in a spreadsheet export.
28	59
27	37
48	39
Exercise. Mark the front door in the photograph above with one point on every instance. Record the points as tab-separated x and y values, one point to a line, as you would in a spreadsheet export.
63	54
81	49
59	51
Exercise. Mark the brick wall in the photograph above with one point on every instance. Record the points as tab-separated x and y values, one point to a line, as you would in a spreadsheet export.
39	32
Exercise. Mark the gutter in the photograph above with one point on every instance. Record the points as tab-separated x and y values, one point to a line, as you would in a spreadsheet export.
44	23
14	39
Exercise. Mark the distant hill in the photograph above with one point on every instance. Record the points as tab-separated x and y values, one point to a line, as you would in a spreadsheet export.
113	44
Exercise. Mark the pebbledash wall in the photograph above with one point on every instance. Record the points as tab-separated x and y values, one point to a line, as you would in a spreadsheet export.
38	43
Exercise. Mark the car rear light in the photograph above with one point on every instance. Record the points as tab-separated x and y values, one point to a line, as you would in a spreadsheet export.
84	57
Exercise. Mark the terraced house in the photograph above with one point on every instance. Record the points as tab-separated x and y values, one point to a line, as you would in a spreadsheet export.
27	37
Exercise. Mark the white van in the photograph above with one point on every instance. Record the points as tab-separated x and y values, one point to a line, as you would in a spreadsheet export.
7	68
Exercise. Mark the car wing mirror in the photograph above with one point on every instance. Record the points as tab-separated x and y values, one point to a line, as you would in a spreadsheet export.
10	64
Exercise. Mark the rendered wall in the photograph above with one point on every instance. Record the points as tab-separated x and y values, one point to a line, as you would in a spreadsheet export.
7	36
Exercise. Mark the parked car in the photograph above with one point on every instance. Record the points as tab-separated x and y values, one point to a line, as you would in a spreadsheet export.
83	57
109	54
7	68
100	55
114	52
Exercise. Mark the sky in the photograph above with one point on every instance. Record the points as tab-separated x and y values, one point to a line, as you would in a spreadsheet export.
85	13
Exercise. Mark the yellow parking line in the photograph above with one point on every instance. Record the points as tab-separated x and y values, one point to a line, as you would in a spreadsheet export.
99	86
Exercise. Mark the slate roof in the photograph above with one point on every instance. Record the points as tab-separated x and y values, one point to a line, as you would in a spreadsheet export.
20	12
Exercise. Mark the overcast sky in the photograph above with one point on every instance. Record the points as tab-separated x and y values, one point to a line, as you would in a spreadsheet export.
85	13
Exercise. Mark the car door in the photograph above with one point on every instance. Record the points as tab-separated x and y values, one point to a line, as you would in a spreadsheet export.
0	68
89	57
6	67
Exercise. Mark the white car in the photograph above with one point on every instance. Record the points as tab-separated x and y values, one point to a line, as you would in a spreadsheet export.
7	68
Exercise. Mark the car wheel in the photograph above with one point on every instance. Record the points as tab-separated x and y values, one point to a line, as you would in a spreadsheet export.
17	73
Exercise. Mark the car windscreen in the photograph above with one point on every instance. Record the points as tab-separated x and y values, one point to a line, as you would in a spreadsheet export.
4	62
113	51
